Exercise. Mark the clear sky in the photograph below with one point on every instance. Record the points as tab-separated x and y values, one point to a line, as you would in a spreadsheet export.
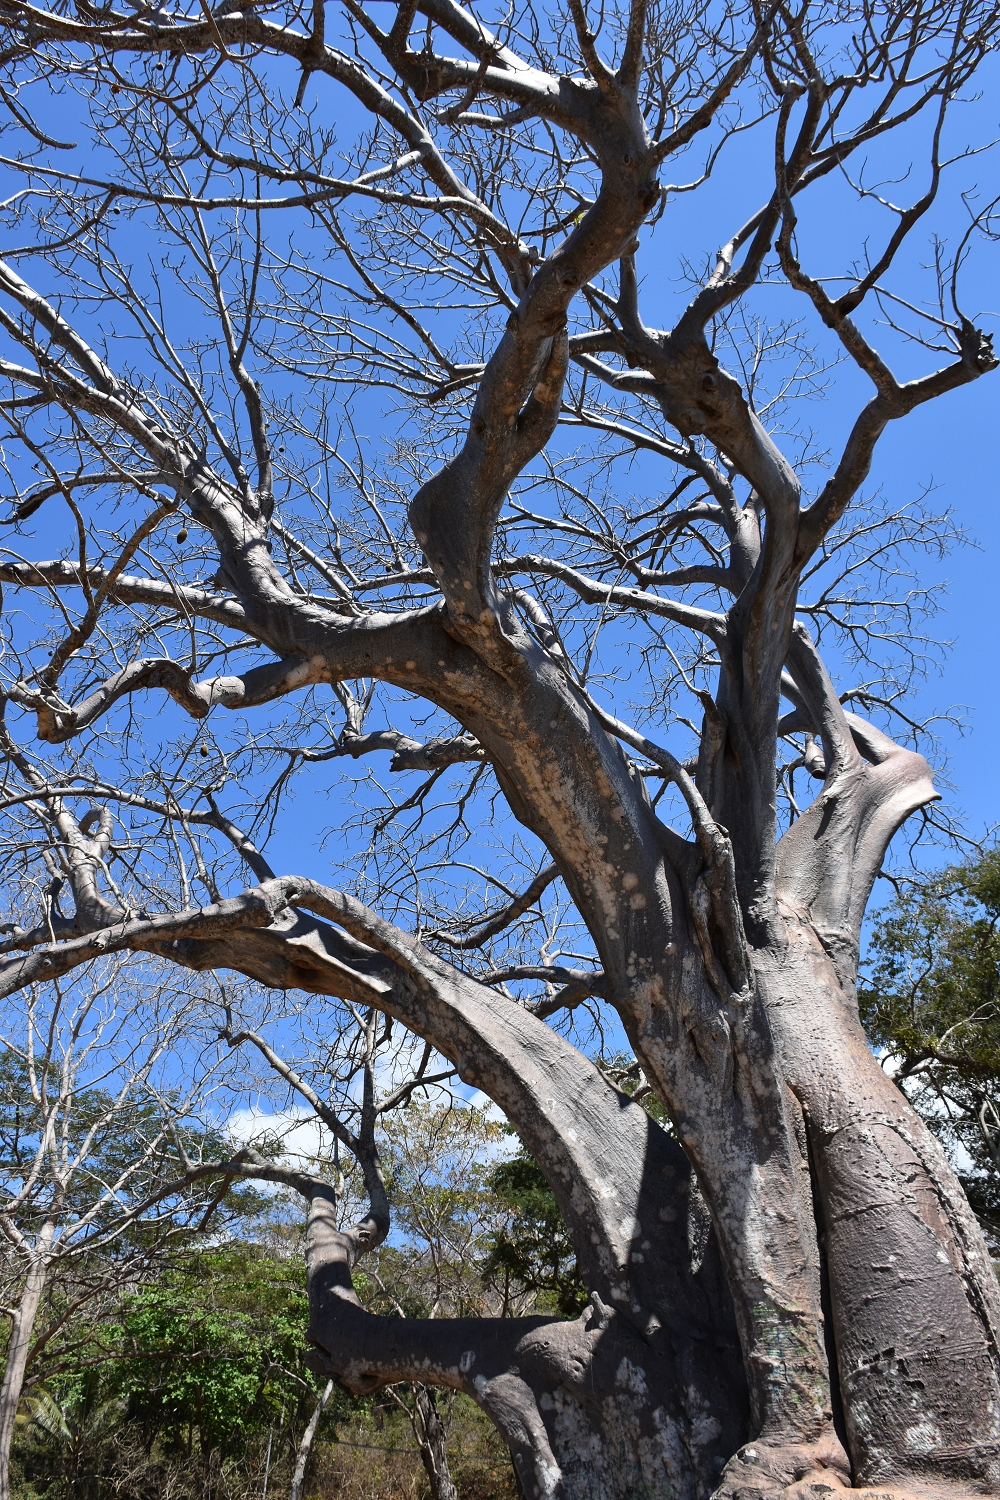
947	444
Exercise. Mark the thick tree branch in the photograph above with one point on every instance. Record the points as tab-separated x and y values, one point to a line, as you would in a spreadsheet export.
185	599
594	592
135	934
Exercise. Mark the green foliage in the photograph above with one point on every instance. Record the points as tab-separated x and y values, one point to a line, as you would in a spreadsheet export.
181	1392
931	1003
102	1133
99	1138
198	1360
437	1165
533	1250
216	1347
68	1431
203	1389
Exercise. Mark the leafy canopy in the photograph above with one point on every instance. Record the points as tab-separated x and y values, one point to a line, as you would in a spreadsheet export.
217	1344
533	1250
931	1003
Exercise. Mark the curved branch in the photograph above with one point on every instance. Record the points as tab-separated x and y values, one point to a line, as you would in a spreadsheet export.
828	860
504	918
255	908
59	721
409	754
204	603
891	403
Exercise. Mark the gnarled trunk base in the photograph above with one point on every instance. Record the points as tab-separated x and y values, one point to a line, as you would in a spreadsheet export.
918	1372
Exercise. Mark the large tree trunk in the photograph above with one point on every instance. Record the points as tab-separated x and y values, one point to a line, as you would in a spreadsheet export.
18	1349
866	1164
915	1310
918	1375
798	1265
809	1161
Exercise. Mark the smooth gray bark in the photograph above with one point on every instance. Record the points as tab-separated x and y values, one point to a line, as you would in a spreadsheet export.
433	1441
304	1450
19	1346
859	1289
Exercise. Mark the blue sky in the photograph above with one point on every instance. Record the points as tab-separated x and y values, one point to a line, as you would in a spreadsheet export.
947	444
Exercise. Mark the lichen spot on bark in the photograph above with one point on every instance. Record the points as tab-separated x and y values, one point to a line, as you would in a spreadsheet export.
923	1438
603	786
628	1377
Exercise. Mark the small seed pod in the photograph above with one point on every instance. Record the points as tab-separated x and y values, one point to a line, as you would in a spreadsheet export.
182	535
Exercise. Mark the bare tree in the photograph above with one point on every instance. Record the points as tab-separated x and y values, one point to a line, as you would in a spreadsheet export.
465	267
305	1446
106	1160
355	1062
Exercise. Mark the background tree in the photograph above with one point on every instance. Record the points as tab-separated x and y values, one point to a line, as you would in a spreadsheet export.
437	1180
534	1251
212	1354
419	1161
94	1170
474	249
111	1167
193	1383
931	1001
193	1377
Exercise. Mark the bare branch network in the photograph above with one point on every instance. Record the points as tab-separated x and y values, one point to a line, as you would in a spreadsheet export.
359	395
